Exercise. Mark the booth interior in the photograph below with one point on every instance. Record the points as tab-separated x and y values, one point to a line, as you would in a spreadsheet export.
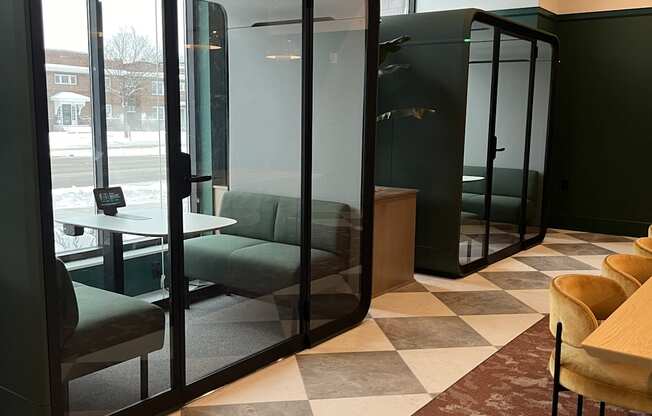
259	226
464	104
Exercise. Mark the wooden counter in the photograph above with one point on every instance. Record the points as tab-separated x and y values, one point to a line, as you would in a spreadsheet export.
394	236
626	336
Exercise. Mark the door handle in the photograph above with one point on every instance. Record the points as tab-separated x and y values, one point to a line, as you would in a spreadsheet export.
500	149
200	178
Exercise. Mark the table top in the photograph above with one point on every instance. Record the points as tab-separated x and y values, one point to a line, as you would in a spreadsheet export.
468	178
147	222
626	336
385	192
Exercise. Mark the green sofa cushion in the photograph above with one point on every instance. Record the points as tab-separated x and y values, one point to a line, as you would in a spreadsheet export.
116	326
268	267
256	214
206	258
330	225
68	309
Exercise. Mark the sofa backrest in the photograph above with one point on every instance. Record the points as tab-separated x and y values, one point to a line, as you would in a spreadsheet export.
506	182
277	219
68	308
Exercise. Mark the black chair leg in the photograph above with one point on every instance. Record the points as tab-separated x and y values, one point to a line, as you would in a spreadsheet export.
556	388
602	408
144	377
580	404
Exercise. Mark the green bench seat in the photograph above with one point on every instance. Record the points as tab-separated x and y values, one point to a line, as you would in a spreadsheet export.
261	253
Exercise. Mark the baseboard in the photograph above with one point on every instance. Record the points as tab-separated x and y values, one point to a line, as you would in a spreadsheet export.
601	225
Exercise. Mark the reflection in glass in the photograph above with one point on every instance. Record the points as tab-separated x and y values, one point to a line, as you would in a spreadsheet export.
540	114
511	119
245	278
473	223
339	79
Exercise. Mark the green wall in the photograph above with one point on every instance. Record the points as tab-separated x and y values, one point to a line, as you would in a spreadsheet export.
603	133
602	144
24	368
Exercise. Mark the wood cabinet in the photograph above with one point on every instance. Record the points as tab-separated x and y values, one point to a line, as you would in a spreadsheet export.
394	235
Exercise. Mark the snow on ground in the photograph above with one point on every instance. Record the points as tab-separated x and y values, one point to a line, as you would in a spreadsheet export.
79	142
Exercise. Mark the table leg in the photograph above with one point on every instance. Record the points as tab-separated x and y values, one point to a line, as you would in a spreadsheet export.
114	270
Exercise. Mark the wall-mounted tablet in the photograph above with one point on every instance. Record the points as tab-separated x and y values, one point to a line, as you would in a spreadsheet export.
109	199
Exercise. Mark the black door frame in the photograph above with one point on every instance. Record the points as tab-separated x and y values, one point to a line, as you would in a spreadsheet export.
178	187
504	26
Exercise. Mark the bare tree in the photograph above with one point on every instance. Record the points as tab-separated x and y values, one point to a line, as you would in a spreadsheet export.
131	62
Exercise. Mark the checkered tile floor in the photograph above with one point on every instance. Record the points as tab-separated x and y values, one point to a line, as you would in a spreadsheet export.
417	341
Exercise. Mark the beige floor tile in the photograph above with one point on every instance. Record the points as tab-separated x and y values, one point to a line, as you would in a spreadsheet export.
404	405
560	238
471	283
537	299
593	260
624	248
395	305
366	337
279	382
508	265
437	369
501	329
555	273
539	251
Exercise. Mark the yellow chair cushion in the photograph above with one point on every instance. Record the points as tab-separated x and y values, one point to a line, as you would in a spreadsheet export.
643	246
628	270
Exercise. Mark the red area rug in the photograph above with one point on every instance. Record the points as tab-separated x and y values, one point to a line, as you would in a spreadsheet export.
515	382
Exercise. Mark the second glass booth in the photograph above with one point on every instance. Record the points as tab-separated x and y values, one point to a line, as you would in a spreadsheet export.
238	134
464	104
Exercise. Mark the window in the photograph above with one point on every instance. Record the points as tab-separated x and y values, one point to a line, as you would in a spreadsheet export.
158	88
158	112
109	111
107	84
182	87
131	108
65	79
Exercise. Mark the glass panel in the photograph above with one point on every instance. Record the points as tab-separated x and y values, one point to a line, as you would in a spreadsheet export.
473	220
70	117
115	340
393	7
244	276
511	119
541	106
339	80
135	92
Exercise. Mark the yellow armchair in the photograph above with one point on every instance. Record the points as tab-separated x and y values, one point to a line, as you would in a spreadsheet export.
578	303
643	246
628	270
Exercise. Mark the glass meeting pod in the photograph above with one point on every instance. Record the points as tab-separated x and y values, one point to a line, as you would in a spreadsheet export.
238	133
464	104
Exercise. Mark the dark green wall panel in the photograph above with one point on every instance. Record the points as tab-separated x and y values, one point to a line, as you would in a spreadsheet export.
602	150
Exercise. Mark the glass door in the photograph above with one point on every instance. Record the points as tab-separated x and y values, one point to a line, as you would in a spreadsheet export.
242	70
509	144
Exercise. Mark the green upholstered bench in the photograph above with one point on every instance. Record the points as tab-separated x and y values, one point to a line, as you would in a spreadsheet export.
100	329
506	194
261	253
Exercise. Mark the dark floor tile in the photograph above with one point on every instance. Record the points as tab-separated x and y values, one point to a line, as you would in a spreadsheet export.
483	303
411	287
518	280
328	376
430	332
599	238
585	249
296	408
545	263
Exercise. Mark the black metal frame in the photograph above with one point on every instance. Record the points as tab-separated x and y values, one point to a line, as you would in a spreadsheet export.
505	26
181	392
557	387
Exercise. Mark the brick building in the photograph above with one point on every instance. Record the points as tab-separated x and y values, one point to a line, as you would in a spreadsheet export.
135	96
